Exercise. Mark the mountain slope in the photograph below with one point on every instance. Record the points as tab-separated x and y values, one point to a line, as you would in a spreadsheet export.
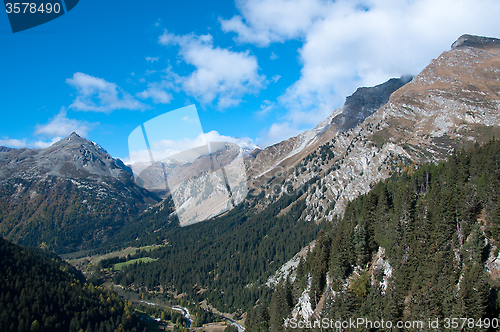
347	164
71	195
43	293
452	103
284	156
423	245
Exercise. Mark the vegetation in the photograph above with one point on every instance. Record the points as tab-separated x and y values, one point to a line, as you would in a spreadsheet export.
224	260
120	266
40	292
413	248
63	216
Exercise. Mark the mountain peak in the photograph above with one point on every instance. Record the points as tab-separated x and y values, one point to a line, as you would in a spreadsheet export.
475	41
75	156
365	101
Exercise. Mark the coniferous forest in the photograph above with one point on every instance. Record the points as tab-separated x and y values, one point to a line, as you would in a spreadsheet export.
418	246
220	255
40	292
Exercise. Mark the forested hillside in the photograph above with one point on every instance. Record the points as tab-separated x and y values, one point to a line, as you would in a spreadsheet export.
43	293
225	260
420	246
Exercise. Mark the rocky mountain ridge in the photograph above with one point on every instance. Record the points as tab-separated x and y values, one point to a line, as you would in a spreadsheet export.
288	156
72	156
452	103
71	195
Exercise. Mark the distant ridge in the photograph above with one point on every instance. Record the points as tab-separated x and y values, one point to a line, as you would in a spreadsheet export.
476	42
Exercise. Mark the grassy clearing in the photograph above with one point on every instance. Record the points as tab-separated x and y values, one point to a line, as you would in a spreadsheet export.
84	263
119	266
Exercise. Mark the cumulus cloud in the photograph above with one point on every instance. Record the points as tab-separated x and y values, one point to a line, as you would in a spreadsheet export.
278	132
265	21
60	126
24	143
212	136
13	143
42	144
266	107
97	95
53	131
347	44
157	92
152	59
221	75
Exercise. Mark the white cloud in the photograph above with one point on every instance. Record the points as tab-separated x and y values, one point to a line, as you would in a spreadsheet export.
98	95
221	75
45	144
266	21
23	143
347	44
188	119
275	78
156	91
174	146
273	56
13	143
152	59
278	132
53	131
61	126
266	107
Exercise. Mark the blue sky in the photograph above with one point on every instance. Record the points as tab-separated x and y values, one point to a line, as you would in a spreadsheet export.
261	70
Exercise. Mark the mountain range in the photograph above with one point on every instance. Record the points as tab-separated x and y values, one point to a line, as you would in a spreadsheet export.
73	196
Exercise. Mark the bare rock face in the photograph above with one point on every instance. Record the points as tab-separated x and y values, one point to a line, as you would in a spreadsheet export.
283	157
366	101
475	42
452	103
71	157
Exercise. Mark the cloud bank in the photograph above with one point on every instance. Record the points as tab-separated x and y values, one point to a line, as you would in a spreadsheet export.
347	44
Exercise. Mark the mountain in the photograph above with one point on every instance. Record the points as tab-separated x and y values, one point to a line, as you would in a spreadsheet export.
425	243
193	178
307	182
284	156
41	292
203	182
75	197
72	195
452	103
421	246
